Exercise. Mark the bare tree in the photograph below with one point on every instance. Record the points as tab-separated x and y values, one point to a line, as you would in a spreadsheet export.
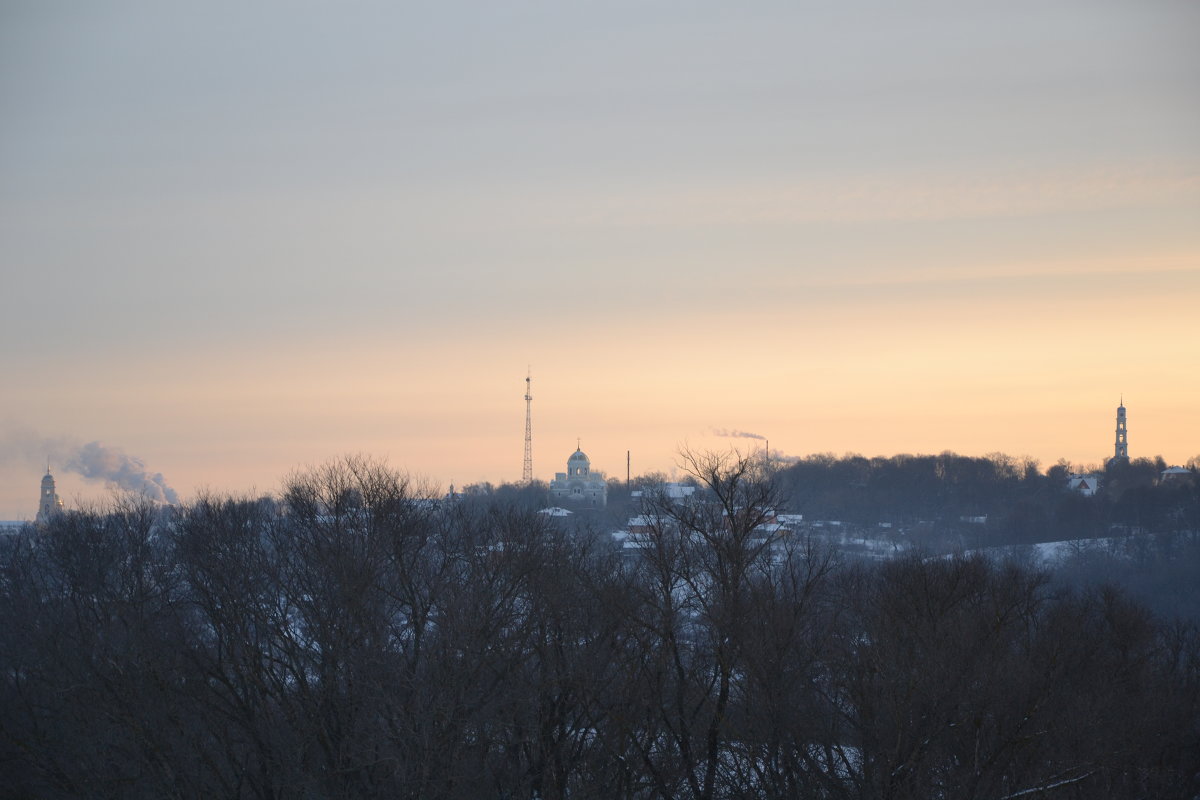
354	638
689	595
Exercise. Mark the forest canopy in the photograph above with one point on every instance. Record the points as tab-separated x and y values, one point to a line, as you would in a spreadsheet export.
356	636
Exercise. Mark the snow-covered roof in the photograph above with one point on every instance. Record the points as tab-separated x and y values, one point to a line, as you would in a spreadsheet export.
671	491
556	511
650	521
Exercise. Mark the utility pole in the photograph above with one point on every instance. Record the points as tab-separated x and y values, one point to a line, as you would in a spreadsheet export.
527	470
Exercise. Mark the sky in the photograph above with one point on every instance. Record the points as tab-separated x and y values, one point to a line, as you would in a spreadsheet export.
240	239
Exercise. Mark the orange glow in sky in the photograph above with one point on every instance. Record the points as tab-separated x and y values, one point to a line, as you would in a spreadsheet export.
236	241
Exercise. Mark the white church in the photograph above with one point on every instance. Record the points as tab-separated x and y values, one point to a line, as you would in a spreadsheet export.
579	484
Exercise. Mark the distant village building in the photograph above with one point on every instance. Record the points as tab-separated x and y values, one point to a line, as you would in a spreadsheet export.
645	524
674	492
50	504
1175	475
556	511
579	484
1086	485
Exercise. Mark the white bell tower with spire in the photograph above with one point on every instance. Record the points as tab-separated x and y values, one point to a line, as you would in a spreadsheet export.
1121	448
49	503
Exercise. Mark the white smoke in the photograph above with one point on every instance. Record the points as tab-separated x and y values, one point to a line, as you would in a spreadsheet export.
94	461
737	434
97	462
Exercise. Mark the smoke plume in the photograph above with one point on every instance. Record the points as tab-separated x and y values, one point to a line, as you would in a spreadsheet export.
737	434
97	462
94	461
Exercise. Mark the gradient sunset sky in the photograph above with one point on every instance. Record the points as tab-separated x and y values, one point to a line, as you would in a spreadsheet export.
239	238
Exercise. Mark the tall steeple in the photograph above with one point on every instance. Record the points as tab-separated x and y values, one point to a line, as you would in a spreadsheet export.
1121	448
49	503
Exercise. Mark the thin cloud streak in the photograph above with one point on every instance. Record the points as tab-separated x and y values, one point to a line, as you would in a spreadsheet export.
846	197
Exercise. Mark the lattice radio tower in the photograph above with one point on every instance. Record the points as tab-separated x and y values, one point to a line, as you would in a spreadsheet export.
527	470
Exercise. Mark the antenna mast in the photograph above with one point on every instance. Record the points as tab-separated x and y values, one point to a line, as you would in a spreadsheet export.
527	470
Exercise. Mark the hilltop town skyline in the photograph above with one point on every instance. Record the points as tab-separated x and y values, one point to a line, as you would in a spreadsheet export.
93	472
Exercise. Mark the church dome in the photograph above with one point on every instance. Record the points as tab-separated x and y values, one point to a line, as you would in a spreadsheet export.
579	484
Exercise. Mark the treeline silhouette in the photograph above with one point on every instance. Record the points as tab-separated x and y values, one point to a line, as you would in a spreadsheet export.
1022	504
354	638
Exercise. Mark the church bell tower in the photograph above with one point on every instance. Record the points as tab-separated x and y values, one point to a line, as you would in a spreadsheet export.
49	503
1121	449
